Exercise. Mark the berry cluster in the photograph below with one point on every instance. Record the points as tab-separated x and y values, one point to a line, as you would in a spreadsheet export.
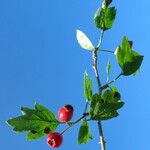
65	114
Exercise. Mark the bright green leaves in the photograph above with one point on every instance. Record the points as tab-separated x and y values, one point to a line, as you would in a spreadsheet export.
87	87
105	107
104	18
39	121
84	41
84	133
129	60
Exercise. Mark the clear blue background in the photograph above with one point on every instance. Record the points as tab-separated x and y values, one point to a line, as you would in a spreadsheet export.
40	60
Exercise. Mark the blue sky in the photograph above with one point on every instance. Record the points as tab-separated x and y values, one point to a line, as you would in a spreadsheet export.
41	61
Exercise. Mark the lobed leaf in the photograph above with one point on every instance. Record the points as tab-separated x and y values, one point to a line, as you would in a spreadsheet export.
36	120
128	59
45	112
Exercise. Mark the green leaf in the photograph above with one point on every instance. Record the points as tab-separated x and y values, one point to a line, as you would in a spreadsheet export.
84	41
87	87
104	18
25	123
108	69
109	115
138	71
105	107
128	59
33	136
38	120
45	112
107	95
110	107
84	133
28	111
111	96
96	107
114	88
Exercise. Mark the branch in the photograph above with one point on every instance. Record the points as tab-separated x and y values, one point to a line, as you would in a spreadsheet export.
94	56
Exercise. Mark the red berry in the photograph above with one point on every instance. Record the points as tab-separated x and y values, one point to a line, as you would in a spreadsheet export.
54	140
65	113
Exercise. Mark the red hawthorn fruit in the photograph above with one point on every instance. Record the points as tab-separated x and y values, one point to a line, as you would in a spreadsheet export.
54	140
65	113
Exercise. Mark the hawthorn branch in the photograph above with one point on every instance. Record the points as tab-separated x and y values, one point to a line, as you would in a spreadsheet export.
95	68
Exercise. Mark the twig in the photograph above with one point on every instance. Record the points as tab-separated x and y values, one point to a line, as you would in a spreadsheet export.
85	109
73	123
107	84
100	39
107	51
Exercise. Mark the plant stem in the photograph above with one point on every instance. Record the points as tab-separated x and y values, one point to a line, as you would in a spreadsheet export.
102	139
107	51
86	106
94	56
85	110
73	123
107	84
115	79
100	39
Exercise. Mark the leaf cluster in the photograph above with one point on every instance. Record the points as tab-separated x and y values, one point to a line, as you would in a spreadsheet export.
105	106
